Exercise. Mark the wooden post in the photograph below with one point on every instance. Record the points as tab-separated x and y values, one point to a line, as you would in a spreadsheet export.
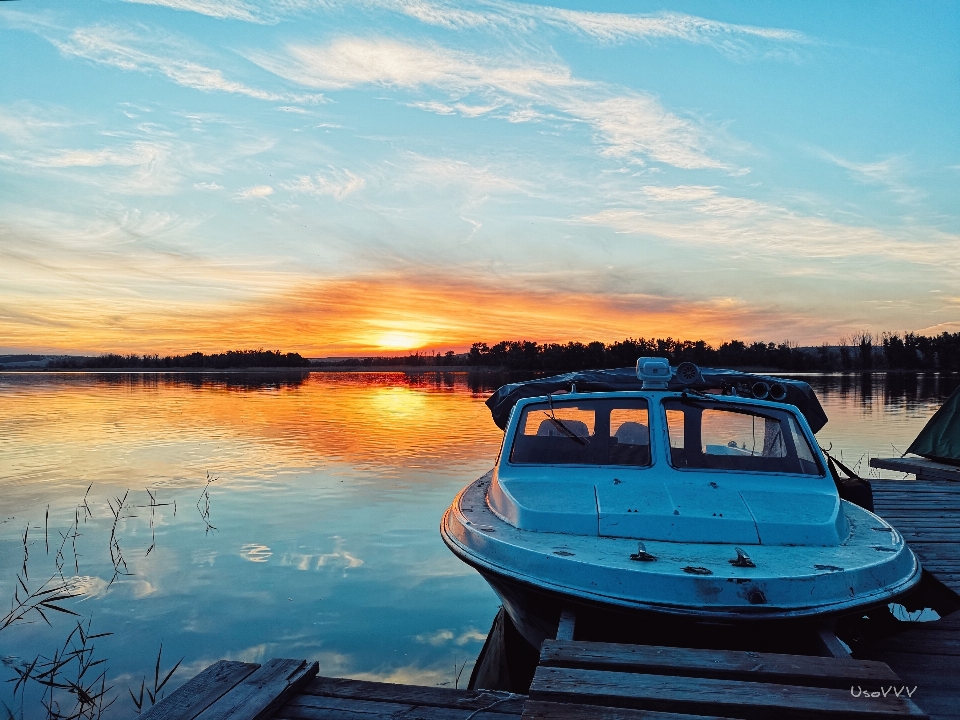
830	644
567	624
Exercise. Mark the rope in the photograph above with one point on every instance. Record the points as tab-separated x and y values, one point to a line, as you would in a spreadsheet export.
509	696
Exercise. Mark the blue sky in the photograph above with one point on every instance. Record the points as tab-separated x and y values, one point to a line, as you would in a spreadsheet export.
344	178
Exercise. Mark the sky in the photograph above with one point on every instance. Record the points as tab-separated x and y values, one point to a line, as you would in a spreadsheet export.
378	176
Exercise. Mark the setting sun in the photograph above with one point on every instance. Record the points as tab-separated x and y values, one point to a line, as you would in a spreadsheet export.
396	340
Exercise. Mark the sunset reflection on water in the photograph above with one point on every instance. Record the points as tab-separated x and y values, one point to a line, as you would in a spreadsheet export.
124	427
325	496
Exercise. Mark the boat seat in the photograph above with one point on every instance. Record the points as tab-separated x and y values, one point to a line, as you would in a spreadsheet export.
633	433
548	428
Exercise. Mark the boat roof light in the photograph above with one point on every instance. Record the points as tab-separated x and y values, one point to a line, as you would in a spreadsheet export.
654	372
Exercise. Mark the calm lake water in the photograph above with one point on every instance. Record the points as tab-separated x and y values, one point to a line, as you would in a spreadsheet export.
325	499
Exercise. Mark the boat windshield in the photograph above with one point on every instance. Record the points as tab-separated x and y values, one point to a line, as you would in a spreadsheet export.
707	435
583	432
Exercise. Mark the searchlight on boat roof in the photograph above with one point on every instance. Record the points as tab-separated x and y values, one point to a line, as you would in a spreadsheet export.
656	373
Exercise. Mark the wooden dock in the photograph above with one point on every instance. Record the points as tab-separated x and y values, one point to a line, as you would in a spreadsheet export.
921	467
927	514
912	671
574	680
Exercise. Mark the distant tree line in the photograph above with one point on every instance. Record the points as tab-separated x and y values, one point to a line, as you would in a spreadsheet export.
861	353
217	361
417	359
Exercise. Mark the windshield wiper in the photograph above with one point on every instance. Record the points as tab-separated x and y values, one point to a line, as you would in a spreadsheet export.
560	426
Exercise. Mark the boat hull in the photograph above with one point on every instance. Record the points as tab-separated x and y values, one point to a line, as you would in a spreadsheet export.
536	579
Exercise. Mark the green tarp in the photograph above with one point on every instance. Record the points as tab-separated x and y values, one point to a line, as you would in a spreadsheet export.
940	438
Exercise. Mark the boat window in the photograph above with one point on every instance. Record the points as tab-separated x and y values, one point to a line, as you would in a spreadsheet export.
721	436
584	432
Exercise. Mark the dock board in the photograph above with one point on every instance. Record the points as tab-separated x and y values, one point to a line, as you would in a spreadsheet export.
235	691
342	699
712	682
926	656
921	467
927	514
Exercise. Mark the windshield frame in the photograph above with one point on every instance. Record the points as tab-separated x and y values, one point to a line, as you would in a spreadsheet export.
614	401
747	406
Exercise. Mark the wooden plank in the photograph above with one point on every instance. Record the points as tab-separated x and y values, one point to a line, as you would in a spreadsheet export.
919	508
339	709
831	644
902	485
931	536
919	492
917	504
567	624
315	707
946	552
201	691
414	694
937	683
733	698
923	667
922	523
921	467
305	703
732	664
540	710
947	578
263	691
923	645
951	584
886	488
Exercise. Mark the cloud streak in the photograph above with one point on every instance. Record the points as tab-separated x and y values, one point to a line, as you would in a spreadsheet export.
885	173
336	183
703	216
123	49
626	123
605	27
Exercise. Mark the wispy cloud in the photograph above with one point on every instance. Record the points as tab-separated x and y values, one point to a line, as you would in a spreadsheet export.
132	168
888	173
336	183
125	49
703	216
139	153
445	172
255	192
626	123
619	27
607	27
350	62
222	9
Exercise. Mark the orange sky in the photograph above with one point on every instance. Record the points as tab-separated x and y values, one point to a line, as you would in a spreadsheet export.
384	315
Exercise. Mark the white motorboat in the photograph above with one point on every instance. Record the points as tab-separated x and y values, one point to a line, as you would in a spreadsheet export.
677	492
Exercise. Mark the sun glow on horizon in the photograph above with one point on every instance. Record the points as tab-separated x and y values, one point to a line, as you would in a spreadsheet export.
401	340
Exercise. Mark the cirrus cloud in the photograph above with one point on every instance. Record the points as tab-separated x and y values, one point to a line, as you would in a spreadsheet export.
626	123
